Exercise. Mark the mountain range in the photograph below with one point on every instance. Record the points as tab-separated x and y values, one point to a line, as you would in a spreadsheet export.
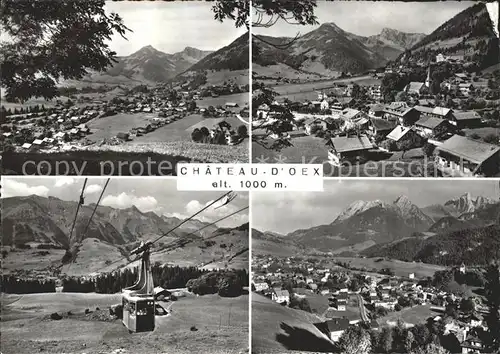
329	50
112	232
377	228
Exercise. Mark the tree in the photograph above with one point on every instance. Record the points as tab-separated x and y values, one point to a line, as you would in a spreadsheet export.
243	131
431	348
53	40
409	340
492	139
385	340
355	340
492	294
428	149
196	135
467	305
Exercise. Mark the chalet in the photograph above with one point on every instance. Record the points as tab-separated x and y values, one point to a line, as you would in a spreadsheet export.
26	146
411	275
280	296
38	143
324	105
466	157
261	286
380	127
336	327
431	126
347	149
406	138
466	119
403	115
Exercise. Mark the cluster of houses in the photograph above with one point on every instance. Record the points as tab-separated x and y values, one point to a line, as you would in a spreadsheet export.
353	134
64	127
376	291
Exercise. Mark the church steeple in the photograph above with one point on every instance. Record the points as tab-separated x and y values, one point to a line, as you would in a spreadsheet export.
428	80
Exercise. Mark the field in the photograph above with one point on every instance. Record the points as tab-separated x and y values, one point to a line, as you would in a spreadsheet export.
241	99
410	315
301	91
278	329
239	77
483	132
221	323
400	268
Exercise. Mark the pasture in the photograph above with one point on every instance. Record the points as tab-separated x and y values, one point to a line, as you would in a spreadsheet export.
241	99
400	268
410	315
221	323
279	329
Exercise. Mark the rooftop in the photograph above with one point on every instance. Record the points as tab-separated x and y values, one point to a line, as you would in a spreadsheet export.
351	143
471	150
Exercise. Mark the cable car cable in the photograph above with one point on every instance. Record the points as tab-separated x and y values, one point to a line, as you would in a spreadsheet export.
96	205
170	247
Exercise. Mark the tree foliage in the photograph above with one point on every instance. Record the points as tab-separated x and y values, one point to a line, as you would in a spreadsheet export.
355	340
52	40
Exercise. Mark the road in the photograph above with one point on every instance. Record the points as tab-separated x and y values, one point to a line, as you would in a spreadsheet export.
362	309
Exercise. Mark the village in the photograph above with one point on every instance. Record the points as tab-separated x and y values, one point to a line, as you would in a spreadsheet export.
123	115
341	296
450	118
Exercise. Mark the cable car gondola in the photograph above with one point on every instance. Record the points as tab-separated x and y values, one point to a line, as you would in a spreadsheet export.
138	300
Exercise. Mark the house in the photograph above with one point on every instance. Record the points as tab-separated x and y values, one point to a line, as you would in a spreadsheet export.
416	88
346	149
280	296
472	344
432	126
375	92
314	123
324	105
261	286
466	119
380	127
411	275
466	157
336	327
440	58
405	137
26	146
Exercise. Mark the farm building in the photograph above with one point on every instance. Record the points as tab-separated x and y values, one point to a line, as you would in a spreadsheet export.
466	157
231	105
416	88
348	149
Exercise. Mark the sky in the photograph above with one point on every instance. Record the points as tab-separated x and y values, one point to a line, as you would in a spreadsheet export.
170	26
155	194
366	18
284	212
